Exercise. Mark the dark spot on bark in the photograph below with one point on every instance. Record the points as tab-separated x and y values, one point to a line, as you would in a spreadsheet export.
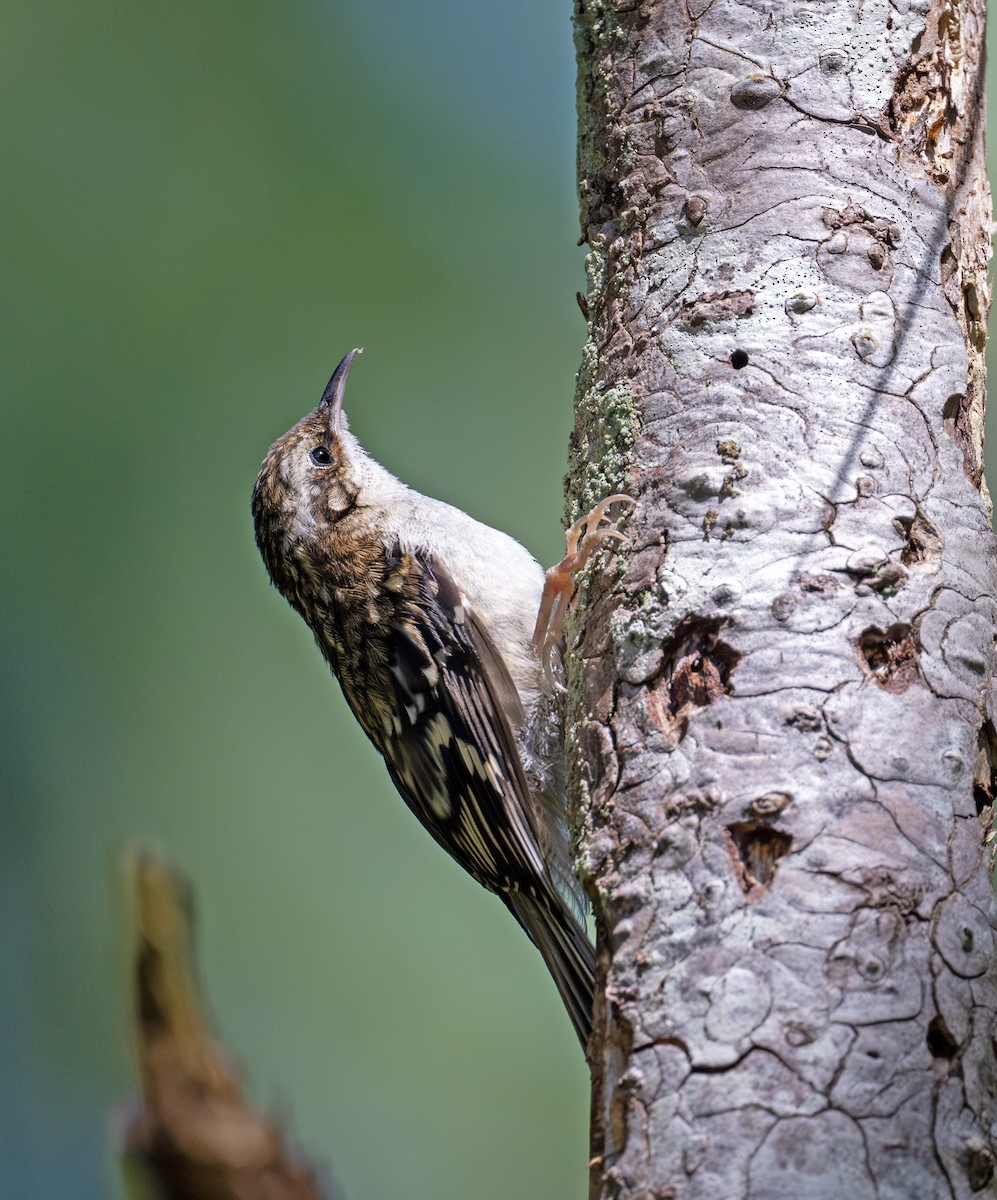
797	1034
823	585
726	595
728	488
713	307
739	359
583	304
924	542
952	406
941	1043
758	848
889	656
880	228
699	486
980	1167
754	92
874	572
695	671
694	209
709	521
886	890
949	262
833	62
955	418
807	720
876	256
887	581
783	606
770	805
884	577
984	781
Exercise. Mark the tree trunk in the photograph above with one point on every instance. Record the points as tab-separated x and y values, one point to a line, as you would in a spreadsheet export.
781	707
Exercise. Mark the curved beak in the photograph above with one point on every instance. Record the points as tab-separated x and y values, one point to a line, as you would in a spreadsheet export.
336	388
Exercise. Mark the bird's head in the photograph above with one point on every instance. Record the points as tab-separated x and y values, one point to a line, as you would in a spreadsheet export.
310	479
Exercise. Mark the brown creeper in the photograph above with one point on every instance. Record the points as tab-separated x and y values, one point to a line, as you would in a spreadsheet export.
427	619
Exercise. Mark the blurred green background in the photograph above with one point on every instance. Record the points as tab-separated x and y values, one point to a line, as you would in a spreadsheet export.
204	205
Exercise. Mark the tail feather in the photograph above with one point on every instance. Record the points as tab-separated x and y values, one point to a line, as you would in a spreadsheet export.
567	951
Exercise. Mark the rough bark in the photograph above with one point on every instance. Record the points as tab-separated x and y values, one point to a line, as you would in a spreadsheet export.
781	702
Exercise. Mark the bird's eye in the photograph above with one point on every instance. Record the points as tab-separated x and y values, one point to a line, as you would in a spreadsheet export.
320	456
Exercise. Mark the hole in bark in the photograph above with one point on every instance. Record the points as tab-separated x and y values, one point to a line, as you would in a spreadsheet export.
955	419
758	848
980	1164
889	656
924	542
739	359
695	671
984	781
941	1043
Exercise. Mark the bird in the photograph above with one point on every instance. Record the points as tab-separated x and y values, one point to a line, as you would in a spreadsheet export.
444	635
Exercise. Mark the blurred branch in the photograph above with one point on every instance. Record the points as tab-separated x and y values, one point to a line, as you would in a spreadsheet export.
194	1137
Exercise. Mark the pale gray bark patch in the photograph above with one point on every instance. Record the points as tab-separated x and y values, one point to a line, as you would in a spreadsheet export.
782	696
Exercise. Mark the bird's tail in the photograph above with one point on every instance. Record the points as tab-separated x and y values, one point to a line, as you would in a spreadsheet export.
567	951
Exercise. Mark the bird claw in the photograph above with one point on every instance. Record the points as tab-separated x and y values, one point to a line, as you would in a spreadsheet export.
584	537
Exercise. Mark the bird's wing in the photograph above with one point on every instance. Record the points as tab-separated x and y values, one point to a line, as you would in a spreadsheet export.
448	739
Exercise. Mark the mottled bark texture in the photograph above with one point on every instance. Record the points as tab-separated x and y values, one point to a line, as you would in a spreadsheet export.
781	701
